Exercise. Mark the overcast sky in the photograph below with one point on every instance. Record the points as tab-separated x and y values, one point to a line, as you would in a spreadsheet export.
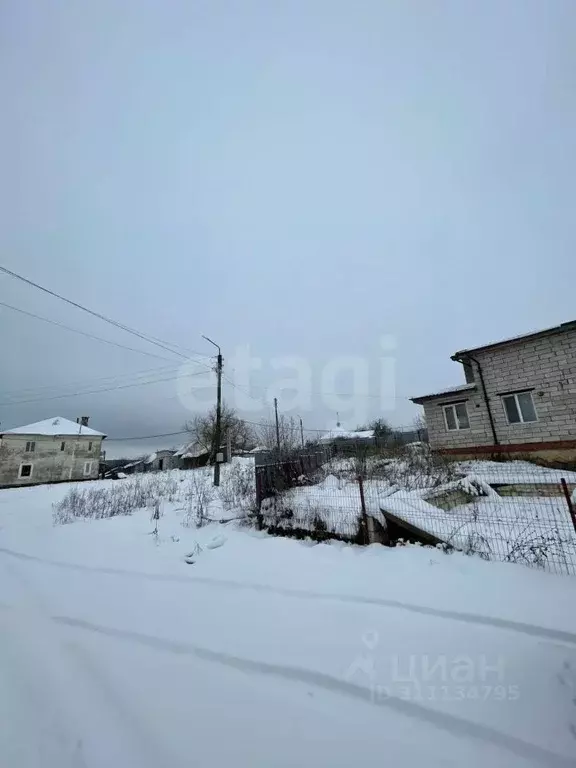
306	177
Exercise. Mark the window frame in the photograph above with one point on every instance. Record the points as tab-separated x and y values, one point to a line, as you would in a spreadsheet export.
63	445
90	444
518	408
30	446
458	428
25	464
89	465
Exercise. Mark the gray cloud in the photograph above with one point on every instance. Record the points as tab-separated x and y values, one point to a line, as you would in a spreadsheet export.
303	178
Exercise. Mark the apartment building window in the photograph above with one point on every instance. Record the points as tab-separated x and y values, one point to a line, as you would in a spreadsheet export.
519	407
30	446
87	468
456	416
25	470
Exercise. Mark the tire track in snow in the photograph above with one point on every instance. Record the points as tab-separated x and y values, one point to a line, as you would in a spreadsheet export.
127	736
457	726
467	618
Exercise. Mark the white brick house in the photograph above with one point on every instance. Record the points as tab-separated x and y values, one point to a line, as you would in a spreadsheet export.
49	451
519	398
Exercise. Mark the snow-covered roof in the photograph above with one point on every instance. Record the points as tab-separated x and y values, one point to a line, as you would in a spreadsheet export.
343	434
164	453
562	328
447	391
133	464
191	450
56	426
194	451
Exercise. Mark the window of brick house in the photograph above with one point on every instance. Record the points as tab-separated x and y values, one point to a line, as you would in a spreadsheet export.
89	447
30	446
456	416
62	446
25	470
87	468
519	408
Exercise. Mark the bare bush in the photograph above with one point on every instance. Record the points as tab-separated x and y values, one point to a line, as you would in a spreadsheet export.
536	548
279	513
238	489
412	469
199	496
156	514
97	503
472	543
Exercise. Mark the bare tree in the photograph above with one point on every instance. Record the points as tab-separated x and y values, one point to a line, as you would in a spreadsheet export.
420	427
202	429
382	430
289	431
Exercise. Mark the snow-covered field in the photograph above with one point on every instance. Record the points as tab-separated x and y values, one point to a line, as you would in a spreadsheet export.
270	652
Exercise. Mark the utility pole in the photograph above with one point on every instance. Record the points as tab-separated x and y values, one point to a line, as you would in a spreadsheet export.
82	421
301	432
218	428
277	426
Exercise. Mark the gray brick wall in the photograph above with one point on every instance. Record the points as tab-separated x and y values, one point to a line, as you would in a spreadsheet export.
479	432
546	365
49	462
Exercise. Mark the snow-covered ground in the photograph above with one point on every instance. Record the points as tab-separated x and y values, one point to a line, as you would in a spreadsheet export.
526	520
533	531
270	652
335	501
514	472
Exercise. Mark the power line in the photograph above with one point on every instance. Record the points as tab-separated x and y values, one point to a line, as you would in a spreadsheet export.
313	392
150	339
97	391
247	392
337	394
30	391
186	431
271	423
263	401
146	437
82	333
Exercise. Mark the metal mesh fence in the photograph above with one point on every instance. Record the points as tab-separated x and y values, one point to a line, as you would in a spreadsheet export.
513	511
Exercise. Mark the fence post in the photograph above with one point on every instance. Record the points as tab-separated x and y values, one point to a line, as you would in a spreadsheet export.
568	501
363	505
